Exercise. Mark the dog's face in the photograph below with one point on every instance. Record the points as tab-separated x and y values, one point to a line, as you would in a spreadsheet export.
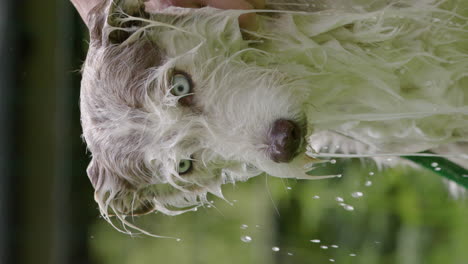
174	105
177	101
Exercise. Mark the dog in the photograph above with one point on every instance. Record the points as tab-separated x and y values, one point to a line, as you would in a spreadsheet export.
179	97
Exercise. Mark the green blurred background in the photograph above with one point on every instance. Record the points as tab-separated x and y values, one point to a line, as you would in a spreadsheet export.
398	215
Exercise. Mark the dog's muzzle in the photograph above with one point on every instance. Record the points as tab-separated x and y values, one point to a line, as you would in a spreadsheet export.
284	140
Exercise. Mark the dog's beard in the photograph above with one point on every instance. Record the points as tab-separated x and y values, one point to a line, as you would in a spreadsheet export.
386	80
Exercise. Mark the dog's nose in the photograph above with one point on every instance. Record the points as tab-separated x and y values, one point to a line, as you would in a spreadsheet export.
284	139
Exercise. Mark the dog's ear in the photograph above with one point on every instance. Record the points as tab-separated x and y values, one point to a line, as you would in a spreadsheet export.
86	7
96	174
93	14
96	12
108	187
118	185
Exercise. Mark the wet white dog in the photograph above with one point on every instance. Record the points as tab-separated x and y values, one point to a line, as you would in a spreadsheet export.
181	96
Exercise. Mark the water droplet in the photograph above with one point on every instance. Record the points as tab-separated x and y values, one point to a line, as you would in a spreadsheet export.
289	188
339	199
195	209
315	240
324	247
334	246
246	239
276	249
357	194
244	226
316	197
342	204
333	161
339	175
377	242
437	169
208	206
371	173
368	183
348	207
178	239
352	255
332	260
290	254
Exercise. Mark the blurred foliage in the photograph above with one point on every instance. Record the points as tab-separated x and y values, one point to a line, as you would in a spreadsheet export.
405	215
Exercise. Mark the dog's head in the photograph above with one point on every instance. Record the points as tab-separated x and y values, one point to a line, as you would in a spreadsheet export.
177	102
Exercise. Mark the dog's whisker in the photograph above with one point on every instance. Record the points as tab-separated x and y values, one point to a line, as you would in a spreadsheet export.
128	224
270	196
217	210
163	209
312	177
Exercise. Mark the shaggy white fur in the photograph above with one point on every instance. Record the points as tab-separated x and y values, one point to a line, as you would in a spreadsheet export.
372	77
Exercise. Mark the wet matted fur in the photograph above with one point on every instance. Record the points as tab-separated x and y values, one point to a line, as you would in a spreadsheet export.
372	77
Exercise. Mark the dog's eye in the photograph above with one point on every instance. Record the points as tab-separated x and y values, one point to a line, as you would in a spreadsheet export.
185	166
180	85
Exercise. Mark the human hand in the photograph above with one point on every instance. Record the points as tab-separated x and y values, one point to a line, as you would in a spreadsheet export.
246	21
